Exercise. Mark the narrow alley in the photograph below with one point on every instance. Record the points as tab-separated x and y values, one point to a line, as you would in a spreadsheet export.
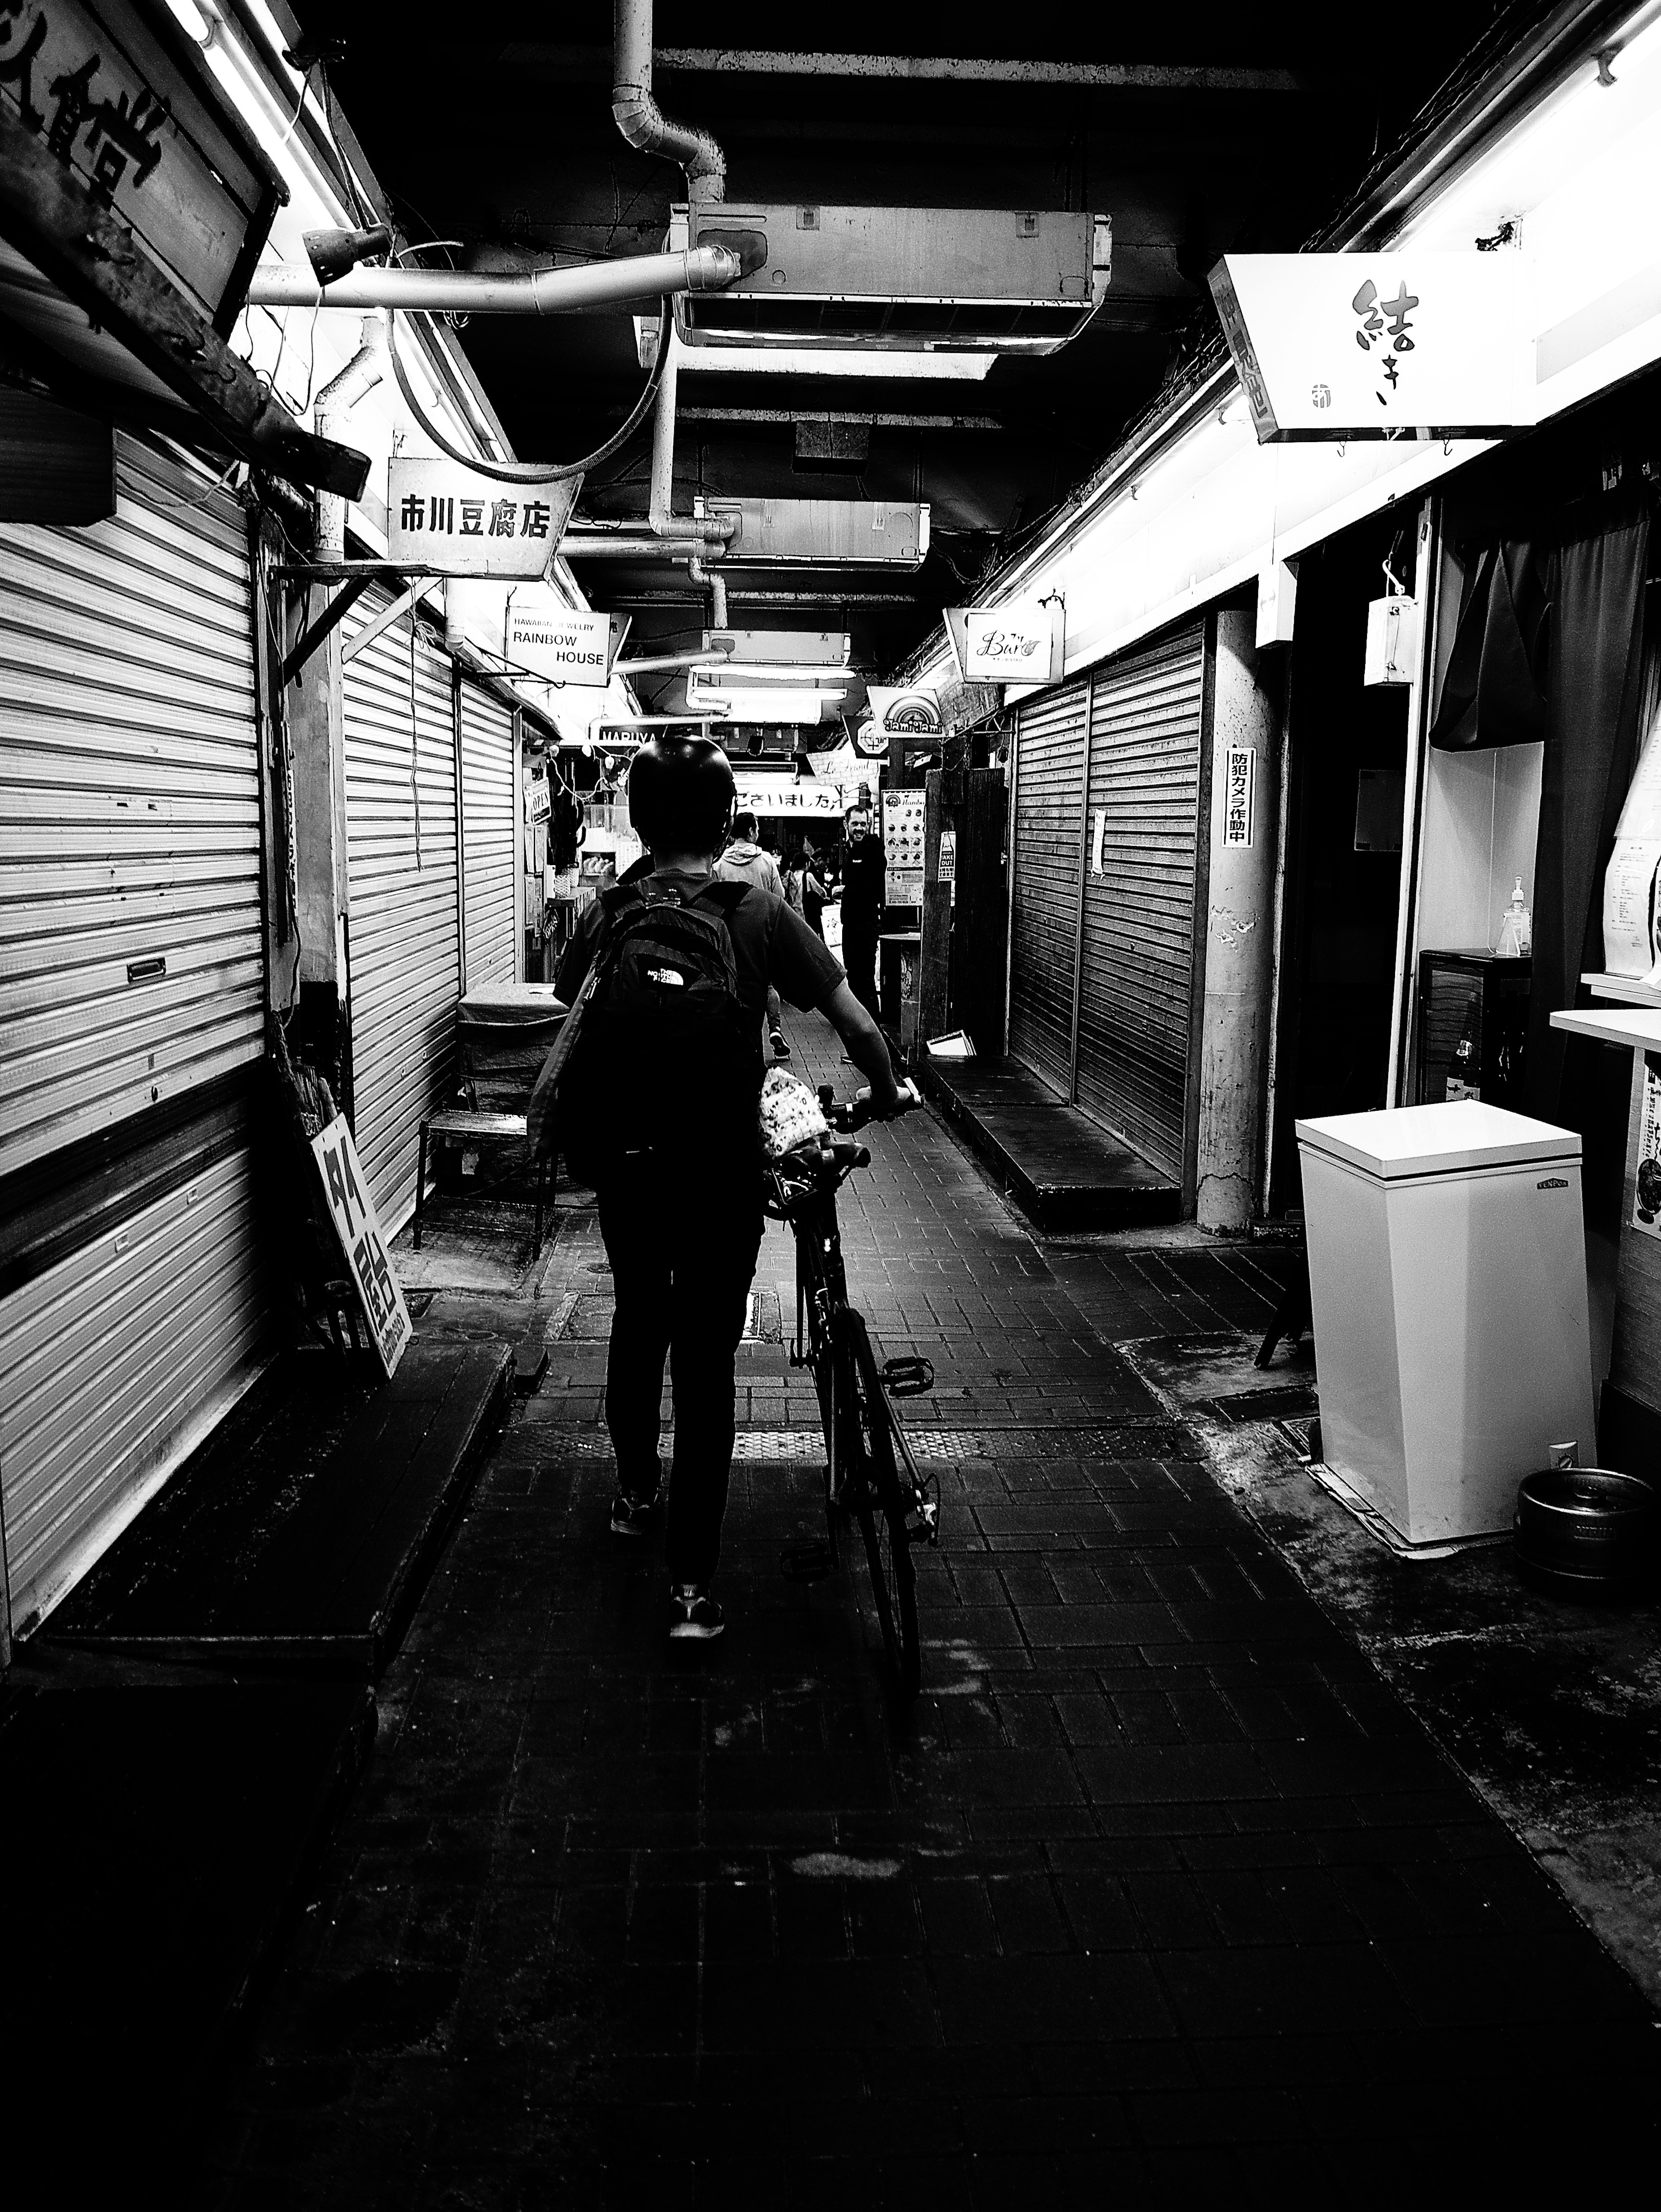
1158	1890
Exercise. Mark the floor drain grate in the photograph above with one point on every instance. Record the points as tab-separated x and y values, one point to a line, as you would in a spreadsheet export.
805	1447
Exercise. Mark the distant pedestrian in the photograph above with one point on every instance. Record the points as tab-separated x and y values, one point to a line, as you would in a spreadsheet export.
863	883
806	893
745	862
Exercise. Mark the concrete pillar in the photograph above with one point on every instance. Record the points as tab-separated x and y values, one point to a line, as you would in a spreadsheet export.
1239	951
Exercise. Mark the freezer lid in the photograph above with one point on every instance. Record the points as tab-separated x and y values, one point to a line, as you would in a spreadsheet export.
1463	1136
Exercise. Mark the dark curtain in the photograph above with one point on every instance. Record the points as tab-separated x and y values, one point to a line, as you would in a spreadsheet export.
1549	646
1593	680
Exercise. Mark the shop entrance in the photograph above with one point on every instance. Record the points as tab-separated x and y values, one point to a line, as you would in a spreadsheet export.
1348	765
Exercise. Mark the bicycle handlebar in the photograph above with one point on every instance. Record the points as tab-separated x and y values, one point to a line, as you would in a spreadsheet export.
847	1115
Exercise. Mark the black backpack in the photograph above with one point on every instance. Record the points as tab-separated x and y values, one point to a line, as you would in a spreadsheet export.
665	1058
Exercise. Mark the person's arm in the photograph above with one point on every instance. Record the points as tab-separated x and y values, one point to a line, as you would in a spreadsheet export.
866	1047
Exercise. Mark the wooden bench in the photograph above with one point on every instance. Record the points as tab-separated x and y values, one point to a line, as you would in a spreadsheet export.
476	1129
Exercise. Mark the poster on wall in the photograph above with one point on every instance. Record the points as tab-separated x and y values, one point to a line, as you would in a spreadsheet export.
352	1211
1646	1192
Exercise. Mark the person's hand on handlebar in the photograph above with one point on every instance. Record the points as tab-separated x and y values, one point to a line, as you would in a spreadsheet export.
876	1109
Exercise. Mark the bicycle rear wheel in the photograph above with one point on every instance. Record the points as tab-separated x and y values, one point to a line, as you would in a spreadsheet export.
880	1506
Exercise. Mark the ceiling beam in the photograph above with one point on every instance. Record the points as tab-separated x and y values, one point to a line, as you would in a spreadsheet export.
946	69
788	415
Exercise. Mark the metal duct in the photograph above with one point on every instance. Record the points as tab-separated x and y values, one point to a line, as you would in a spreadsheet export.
639	118
473	292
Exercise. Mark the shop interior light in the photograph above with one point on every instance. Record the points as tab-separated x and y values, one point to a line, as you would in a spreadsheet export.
806	361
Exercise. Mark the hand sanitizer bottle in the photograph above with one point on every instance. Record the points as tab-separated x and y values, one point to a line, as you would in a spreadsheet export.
1517	930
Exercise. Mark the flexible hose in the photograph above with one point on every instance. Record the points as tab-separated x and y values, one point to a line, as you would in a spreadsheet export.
535	472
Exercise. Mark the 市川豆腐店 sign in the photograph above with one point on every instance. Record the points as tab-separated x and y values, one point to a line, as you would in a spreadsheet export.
443	516
120	97
1369	345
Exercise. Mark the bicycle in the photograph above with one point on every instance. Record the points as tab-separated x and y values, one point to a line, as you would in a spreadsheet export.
870	1474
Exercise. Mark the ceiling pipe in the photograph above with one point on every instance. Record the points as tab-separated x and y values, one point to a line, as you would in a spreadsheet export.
610	547
474	292
700	574
660	503
334	403
639	118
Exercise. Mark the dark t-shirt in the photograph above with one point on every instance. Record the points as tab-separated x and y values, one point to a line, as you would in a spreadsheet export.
770	945
862	880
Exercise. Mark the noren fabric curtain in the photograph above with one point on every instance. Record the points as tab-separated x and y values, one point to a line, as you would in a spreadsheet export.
1549	646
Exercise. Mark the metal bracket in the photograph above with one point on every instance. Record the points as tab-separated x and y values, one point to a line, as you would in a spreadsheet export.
354	578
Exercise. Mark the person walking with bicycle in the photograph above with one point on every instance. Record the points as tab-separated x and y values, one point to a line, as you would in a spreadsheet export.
658	1107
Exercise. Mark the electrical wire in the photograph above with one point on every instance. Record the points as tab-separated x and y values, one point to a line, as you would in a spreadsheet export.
535	472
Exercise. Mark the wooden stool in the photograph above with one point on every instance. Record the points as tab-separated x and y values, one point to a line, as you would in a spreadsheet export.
476	1129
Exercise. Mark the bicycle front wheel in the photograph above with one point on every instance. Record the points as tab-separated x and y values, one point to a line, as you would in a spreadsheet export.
879	1504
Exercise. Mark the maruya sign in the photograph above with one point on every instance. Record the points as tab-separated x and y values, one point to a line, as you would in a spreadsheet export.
556	643
442	516
1017	644
1372	345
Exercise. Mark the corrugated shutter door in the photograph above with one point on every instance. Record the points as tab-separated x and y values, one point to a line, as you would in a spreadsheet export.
1136	988
487	832
130	835
403	947
131	962
1049	794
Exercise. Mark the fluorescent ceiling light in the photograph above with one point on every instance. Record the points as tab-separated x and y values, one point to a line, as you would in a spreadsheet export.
825	361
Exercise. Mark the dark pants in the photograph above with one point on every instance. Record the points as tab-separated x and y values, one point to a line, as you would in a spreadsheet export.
682	1238
859	957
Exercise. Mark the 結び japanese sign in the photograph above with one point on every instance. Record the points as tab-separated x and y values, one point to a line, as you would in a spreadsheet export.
1360	345
443	516
352	1211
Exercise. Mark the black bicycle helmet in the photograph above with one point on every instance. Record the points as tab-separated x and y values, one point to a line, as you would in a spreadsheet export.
681	793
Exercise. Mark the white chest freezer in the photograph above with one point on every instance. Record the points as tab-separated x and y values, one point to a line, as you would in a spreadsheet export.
1447	1271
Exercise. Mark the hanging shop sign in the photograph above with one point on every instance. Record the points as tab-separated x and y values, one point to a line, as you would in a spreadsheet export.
1372	345
901	713
449	519
352	1211
557	642
116	93
1018	644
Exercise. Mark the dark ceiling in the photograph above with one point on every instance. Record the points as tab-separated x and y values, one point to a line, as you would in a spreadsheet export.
493	126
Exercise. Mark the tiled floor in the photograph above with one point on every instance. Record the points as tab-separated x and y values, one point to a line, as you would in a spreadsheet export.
1160	1894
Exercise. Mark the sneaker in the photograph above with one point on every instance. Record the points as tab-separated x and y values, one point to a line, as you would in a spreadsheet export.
632	1516
780	1049
694	1613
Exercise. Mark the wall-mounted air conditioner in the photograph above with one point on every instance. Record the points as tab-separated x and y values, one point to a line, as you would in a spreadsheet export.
952	280
842	533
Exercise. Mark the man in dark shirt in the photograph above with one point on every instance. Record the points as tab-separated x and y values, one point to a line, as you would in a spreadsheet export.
862	886
683	1226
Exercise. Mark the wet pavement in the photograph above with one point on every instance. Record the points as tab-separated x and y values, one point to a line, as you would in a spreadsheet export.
1160	1889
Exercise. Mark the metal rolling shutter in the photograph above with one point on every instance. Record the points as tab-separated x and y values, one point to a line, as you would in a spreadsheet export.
403	946
1136	990
487	822
129	826
131	957
1049	795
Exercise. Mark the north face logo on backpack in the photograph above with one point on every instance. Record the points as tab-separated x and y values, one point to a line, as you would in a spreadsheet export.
670	976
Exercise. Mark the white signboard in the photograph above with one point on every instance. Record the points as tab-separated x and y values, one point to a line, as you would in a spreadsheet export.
1239	795
353	1213
557	642
912	713
1017	644
1369	345
812	797
441	515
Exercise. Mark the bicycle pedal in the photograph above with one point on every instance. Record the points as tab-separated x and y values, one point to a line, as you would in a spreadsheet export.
907	1379
809	1562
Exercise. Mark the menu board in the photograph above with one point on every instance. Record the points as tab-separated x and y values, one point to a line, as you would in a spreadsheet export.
902	814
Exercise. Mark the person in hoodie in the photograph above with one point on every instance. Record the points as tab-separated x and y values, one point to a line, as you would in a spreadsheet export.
745	862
